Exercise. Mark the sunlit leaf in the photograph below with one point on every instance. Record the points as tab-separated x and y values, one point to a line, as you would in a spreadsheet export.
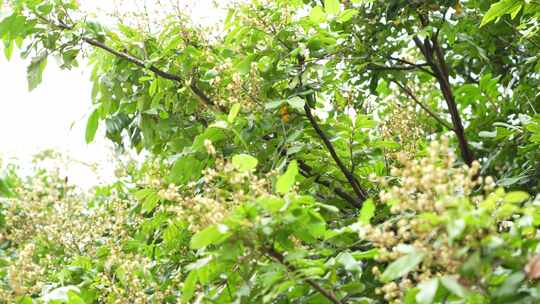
286	181
92	126
402	266
244	162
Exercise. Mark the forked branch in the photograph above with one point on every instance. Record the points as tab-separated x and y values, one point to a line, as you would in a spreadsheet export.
360	193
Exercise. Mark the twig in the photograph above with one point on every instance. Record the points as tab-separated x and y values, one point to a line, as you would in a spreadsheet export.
420	66
307	171
326	293
139	62
442	72
409	92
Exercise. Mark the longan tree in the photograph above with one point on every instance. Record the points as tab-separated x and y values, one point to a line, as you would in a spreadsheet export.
300	152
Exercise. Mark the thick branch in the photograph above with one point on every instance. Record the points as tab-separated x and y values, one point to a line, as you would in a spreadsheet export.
409	93
429	48
329	294
444	82
307	171
360	193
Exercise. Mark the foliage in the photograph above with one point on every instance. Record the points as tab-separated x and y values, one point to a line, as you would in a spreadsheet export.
360	151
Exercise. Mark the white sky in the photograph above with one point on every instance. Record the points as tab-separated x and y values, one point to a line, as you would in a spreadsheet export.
54	115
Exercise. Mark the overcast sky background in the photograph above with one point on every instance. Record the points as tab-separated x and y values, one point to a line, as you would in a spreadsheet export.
54	115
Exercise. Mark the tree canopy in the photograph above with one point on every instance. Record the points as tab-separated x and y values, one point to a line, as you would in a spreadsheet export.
353	151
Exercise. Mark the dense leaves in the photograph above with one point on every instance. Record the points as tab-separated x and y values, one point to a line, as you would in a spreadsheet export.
330	151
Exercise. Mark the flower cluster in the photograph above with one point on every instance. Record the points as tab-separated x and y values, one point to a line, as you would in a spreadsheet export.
49	216
212	203
401	125
422	204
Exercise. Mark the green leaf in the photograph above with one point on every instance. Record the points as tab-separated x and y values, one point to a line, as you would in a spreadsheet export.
209	236
296	103
451	283
188	290
499	9
286	181
363	122
367	212
317	15
273	104
316	225
92	126
233	113
511	285
244	162
4	189
271	203
410	296
185	169
244	66
8	48
24	300
366	255
35	71
488	134
212	133
516	197
427	291
347	15
331	7
455	228
74	298
150	202
402	266
142	194
349	262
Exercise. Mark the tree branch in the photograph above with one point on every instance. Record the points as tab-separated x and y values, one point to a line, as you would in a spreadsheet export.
429	48
420	66
377	67
139	62
443	78
360	193
307	171
409	92
329	294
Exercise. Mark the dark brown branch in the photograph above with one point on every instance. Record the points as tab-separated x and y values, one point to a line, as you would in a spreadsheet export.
329	294
132	59
409	93
443	78
429	48
360	193
420	66
377	67
307	171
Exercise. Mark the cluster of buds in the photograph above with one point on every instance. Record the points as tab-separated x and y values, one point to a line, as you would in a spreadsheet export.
401	125
41	215
124	279
225	187
434	186
24	275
